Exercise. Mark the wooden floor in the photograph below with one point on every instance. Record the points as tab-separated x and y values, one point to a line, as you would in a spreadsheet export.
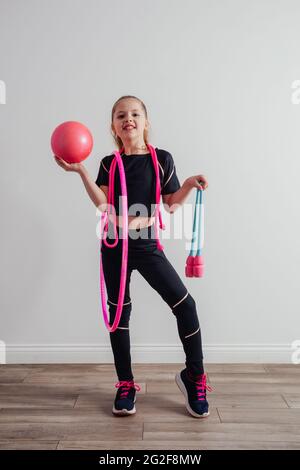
68	406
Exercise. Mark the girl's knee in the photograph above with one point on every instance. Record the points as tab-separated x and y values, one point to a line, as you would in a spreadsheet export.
125	314
187	318
187	302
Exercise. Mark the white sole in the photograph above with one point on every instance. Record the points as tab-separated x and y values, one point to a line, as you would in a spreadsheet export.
182	388
124	411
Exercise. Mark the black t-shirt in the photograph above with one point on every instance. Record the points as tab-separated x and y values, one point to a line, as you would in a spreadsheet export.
140	180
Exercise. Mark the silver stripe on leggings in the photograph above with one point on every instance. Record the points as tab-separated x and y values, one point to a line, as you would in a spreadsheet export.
126	303
193	333
181	300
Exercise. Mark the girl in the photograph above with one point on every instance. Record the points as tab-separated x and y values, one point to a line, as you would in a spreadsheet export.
130	125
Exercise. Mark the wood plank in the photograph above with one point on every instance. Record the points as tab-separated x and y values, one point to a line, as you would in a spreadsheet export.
27	444
274	416
203	430
267	378
15	375
246	400
37	400
101	388
235	368
77	378
20	365
101	414
251	388
283	369
204	444
82	431
54	389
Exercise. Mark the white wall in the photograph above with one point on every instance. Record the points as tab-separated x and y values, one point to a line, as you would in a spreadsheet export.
216	77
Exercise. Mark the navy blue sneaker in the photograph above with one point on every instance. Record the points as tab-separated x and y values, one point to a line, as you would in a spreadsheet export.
125	398
194	389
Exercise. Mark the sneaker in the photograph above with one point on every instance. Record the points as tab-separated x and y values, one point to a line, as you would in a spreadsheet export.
194	389
125	398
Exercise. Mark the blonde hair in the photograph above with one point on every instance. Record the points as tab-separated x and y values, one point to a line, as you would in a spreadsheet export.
117	139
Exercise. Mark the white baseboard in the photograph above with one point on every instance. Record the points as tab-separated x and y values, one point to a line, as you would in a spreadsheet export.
146	353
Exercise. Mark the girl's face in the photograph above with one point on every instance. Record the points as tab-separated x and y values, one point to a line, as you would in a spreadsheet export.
129	120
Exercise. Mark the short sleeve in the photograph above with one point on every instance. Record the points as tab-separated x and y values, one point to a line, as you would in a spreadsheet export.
171	183
103	174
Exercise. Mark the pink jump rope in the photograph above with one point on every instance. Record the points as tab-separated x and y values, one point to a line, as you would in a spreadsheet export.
104	227
194	266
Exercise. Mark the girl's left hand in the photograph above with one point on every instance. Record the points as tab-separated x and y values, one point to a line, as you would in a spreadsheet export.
197	181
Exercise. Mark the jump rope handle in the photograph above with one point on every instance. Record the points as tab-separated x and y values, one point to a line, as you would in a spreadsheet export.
194	263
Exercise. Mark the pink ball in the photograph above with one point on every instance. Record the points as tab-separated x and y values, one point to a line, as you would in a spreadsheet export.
72	141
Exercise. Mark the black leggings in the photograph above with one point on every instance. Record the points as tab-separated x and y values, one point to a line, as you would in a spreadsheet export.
154	266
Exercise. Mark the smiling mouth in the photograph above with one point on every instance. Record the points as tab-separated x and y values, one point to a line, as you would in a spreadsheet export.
129	128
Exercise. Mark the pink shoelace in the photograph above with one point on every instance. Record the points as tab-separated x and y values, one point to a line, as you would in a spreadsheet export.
127	384
201	385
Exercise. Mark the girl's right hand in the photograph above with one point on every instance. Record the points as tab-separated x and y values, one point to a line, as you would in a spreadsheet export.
68	166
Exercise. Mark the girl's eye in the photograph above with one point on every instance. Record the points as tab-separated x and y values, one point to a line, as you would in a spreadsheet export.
121	115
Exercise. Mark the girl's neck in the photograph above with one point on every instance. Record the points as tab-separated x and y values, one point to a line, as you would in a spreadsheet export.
135	149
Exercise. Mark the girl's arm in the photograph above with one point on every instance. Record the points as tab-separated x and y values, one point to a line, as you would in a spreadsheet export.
174	200
97	195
